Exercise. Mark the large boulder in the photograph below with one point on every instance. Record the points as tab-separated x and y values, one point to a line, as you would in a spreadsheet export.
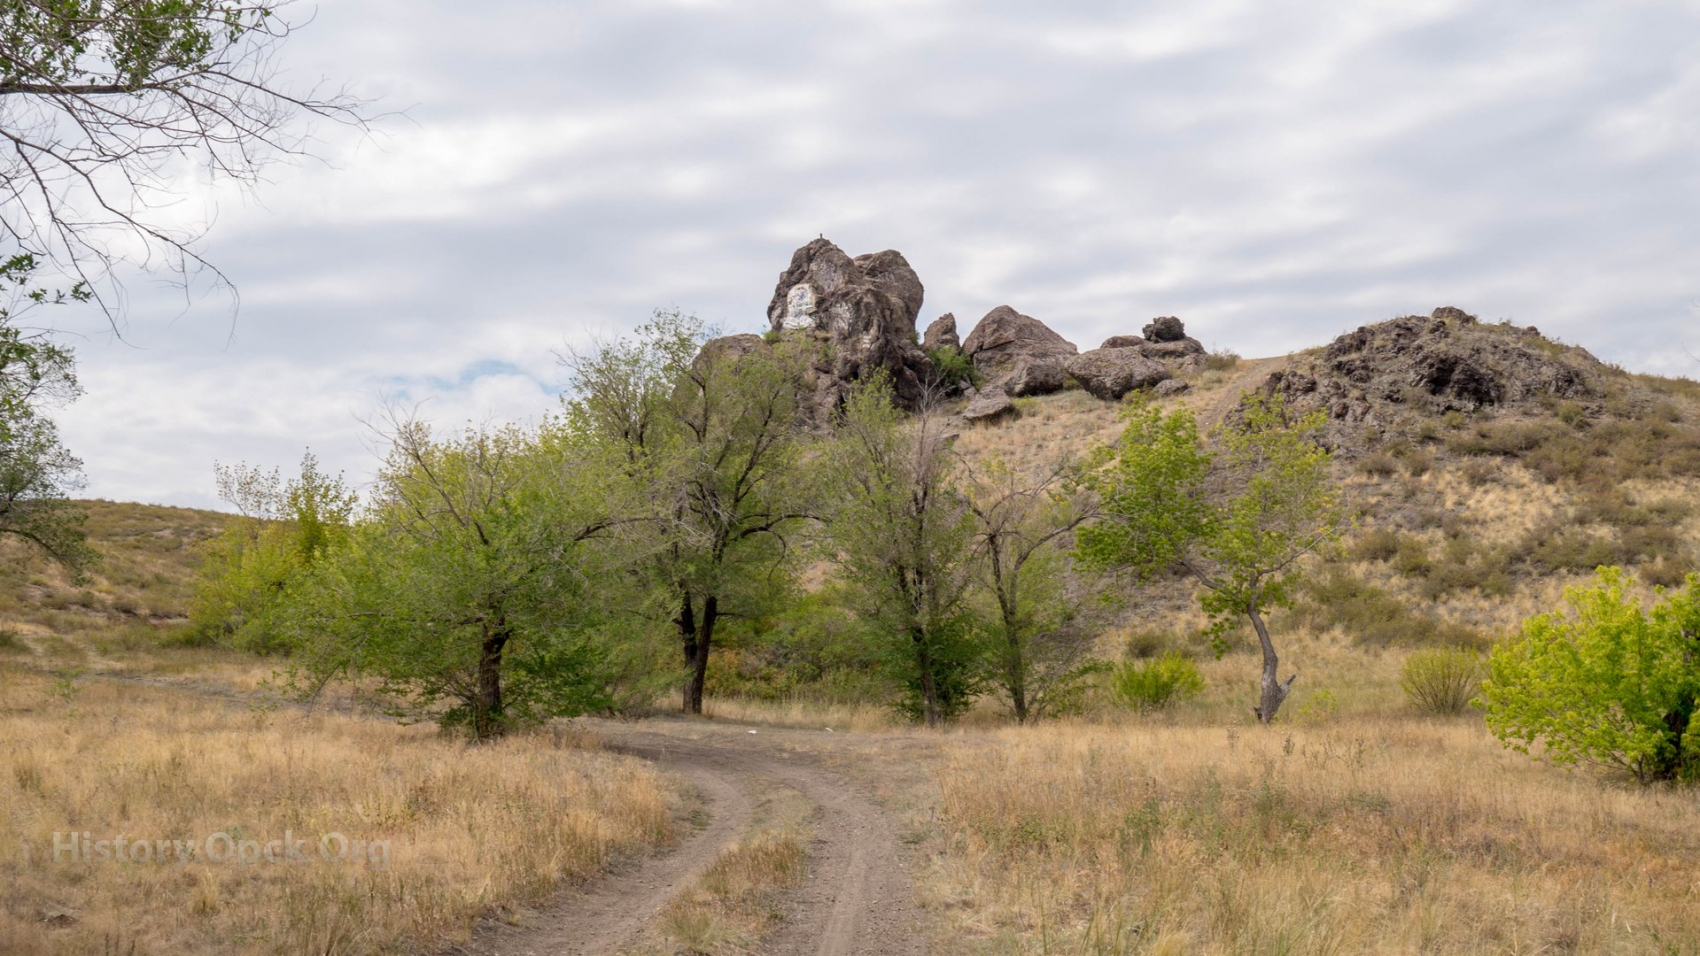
942	333
1122	342
1111	373
1165	328
989	406
729	348
862	312
1019	352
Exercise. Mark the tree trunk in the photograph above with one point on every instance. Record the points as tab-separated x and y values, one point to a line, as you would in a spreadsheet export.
487	717
930	711
697	637
1016	672
1274	691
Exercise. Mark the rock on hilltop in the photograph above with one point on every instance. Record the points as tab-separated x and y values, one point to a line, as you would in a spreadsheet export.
1429	365
863	313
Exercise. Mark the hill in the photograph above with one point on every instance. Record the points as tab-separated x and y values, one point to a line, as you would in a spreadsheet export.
1487	466
137	595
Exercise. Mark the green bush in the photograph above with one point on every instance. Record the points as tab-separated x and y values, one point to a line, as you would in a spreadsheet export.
1606	682
1156	683
953	367
1371	617
1442	681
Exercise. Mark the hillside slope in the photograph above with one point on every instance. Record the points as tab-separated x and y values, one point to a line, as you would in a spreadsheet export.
1487	467
139	591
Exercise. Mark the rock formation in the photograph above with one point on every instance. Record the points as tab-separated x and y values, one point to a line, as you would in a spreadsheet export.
1164	328
1018	353
1122	342
1427	365
1111	373
942	333
862	313
988	406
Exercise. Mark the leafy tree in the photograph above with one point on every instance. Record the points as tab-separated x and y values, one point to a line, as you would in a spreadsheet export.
1605	681
709	437
903	538
36	471
284	528
102	100
472	591
1039	648
1238	520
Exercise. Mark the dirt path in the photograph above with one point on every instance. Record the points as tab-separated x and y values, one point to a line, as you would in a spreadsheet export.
857	900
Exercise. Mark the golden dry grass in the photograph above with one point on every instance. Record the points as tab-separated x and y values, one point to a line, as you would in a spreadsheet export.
469	829
736	902
1361	836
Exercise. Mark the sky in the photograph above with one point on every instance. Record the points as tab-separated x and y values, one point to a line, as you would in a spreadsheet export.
1274	173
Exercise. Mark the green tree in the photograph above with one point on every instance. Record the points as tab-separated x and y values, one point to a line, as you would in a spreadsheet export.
37	473
708	435
473	591
903	539
1040	641
1238	520
102	99
1605	681
283	529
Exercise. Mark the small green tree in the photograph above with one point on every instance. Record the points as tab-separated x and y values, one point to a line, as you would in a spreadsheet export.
903	539
470	593
1606	681
1238	520
708	439
1039	638
283	528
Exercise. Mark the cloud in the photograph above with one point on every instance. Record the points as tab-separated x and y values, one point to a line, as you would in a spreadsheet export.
1273	173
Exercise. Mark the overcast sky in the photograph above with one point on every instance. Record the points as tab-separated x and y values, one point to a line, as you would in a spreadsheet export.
1273	173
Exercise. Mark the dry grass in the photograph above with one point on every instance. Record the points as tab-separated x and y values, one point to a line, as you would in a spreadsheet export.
802	713
468	829
736	901
1362	836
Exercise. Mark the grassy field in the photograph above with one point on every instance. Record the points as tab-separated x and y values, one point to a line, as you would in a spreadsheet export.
462	831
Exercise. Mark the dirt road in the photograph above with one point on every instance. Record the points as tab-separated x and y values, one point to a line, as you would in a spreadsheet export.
857	900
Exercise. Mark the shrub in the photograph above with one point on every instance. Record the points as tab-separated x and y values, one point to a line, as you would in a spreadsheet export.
1154	684
1380	544
1221	361
1442	681
1604	682
1478	473
1412	558
1379	465
953	367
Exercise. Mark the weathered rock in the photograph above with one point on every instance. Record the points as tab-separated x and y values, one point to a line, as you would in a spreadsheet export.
1041	377
1449	313
730	348
1122	342
1020	350
1173	349
863	311
1172	386
942	333
1111	373
989	405
1165	328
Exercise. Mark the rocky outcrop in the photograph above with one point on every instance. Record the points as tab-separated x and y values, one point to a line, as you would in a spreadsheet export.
941	334
730	348
989	406
1164	328
1018	353
1122	342
1428	365
861	312
1111	373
